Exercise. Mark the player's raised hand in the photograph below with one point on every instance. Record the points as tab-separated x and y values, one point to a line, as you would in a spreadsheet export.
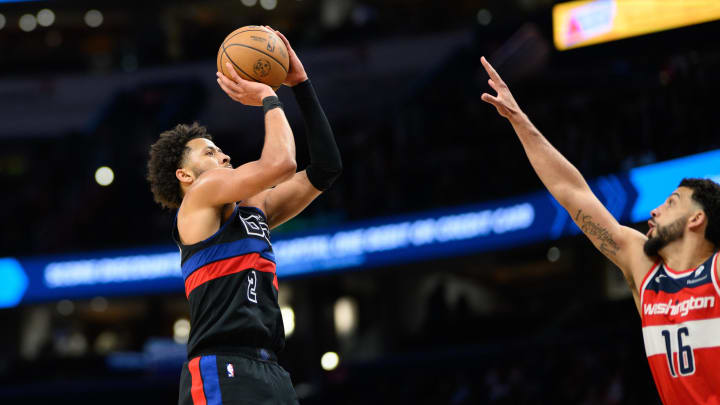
296	72
241	90
504	101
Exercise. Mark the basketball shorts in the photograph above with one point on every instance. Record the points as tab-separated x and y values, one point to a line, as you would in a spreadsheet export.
250	376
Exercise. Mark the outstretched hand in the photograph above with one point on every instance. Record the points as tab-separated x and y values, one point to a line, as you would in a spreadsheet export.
241	90
296	71
504	102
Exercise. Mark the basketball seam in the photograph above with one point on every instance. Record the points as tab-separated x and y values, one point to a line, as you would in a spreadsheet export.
221	51
238	33
239	68
268	55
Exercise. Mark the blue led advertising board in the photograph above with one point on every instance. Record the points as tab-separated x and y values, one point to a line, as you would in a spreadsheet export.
629	196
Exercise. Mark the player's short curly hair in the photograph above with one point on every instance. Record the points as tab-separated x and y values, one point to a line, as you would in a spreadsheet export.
707	193
166	156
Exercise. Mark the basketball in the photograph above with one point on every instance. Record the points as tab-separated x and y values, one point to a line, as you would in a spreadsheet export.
257	54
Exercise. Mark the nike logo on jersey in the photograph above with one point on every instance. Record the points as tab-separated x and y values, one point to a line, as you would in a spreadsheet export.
657	279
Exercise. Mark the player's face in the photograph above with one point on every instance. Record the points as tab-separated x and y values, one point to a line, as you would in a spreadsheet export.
204	155
669	220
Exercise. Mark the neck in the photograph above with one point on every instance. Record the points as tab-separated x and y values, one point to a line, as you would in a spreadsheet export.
686	253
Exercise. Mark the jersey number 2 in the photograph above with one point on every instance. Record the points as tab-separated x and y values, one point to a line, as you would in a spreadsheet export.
252	283
686	362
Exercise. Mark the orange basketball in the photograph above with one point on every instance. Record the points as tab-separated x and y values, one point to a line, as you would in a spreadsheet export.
257	54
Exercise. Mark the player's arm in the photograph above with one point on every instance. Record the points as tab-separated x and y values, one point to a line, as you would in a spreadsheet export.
292	196
277	160
620	244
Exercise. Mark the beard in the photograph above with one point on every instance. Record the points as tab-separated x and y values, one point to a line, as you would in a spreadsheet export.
197	172
664	235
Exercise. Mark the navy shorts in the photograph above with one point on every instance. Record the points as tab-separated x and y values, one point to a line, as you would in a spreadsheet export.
250	376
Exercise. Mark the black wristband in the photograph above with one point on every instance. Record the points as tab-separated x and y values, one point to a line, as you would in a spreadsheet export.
271	102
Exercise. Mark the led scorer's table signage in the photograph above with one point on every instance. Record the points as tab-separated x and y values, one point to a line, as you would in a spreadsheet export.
384	241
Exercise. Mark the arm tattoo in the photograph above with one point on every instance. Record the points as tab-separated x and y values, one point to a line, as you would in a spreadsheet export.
593	229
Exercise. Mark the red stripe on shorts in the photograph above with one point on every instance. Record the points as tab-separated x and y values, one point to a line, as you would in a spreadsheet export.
196	390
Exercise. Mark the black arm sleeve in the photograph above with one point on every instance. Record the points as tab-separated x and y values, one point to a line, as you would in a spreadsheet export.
325	162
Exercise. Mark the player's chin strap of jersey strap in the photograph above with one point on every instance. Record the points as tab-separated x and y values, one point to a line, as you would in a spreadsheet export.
325	162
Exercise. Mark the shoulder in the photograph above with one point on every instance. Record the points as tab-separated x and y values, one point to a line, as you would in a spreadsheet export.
209	180
196	222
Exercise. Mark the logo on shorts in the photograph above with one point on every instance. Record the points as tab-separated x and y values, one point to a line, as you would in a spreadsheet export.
262	67
230	370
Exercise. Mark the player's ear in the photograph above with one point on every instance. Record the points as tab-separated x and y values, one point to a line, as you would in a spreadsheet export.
697	219
184	175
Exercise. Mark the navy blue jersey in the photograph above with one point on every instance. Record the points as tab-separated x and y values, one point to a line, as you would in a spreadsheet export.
232	287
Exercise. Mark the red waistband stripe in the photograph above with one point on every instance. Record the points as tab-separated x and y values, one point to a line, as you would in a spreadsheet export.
196	390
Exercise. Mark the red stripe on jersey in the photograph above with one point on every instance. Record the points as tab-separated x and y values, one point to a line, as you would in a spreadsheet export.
196	390
229	266
266	266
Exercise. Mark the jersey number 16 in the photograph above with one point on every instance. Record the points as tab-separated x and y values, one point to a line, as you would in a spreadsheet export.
686	361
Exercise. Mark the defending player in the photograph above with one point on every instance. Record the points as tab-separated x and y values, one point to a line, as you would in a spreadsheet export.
672	271
222	228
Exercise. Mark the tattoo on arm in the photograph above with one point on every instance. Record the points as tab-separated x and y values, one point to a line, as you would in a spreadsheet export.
594	230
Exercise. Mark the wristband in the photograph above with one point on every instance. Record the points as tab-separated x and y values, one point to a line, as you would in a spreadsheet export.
271	102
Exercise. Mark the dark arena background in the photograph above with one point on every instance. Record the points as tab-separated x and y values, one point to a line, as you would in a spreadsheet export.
436	270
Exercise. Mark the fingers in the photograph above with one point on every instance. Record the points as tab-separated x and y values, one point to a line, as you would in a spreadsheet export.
227	91
233	73
493	85
224	80
235	89
282	38
237	82
226	88
490	70
490	99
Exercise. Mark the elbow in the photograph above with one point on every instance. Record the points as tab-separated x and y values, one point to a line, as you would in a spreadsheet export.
282	169
336	172
322	177
290	167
